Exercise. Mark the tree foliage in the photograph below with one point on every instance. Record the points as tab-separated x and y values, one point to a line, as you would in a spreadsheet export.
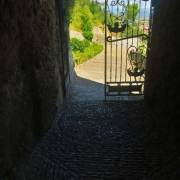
132	12
79	45
86	27
86	8
84	50
69	4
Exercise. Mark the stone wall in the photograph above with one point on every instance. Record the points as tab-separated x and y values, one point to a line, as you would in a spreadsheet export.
31	74
163	74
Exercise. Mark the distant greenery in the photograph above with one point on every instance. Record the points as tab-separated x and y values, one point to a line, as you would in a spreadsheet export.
78	45
84	16
86	28
131	13
132	29
84	50
98	13
87	14
85	8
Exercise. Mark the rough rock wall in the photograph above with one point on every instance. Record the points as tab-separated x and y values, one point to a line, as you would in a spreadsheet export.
30	74
163	66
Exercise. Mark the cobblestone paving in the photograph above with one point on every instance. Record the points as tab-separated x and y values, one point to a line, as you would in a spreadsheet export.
91	141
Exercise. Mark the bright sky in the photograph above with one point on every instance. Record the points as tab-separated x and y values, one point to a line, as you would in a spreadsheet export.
132	1
143	3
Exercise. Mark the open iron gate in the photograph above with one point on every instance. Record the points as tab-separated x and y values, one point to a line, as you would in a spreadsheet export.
127	34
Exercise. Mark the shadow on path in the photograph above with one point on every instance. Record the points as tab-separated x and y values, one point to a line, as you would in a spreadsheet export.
82	89
92	141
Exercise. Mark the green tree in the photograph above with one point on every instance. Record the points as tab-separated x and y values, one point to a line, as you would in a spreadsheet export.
89	9
98	13
132	12
86	27
78	45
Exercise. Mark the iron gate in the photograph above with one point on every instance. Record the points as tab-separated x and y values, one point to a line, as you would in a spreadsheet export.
127	35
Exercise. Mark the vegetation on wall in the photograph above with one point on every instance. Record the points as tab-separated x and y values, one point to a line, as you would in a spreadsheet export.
69	4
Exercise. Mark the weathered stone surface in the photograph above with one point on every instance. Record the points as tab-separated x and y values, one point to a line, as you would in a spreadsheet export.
30	74
92	141
163	75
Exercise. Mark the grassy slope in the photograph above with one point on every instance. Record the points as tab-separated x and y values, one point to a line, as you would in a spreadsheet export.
86	8
89	52
96	17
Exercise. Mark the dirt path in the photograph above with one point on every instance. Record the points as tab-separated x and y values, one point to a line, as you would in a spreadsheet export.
92	69
117	64
88	83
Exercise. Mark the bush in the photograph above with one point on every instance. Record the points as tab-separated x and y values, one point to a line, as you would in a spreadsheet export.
88	35
98	13
78	45
88	53
86	27
88	9
93	50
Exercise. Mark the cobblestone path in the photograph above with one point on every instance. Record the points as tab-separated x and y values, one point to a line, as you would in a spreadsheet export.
92	141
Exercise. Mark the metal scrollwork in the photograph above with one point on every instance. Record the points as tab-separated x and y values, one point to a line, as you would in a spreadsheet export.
137	62
119	24
109	38
117	2
128	31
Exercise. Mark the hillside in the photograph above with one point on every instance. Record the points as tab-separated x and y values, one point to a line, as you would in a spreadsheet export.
88	11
